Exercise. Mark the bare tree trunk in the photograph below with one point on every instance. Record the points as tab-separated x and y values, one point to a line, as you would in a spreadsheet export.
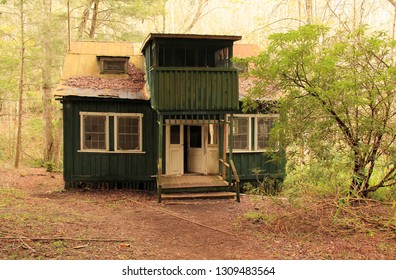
84	20
354	16
68	26
299	12
308	6
58	142
394	23
163	23
94	21
18	148
48	141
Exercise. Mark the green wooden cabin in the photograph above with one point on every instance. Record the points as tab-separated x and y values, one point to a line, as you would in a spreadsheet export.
134	114
108	122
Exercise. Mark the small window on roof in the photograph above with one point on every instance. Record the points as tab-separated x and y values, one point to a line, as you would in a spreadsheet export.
113	64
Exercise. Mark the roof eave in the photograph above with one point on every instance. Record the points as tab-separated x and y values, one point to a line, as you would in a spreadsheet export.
152	36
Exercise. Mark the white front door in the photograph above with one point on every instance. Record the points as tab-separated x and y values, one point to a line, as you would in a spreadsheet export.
203	149
195	149
212	149
174	150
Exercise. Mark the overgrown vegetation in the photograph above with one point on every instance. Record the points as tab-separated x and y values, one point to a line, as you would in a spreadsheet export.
337	106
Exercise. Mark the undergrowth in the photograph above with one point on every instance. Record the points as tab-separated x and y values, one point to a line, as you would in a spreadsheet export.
308	203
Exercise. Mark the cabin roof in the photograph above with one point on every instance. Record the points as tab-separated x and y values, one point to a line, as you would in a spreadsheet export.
153	36
81	74
246	82
245	50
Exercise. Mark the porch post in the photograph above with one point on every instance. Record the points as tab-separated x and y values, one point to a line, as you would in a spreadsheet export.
231	144
223	166
159	164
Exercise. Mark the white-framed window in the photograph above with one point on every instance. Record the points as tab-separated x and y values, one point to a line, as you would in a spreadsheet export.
241	133
128	132
95	132
251	132
263	125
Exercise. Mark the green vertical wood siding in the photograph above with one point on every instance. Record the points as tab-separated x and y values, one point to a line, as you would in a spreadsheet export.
193	89
246	162
108	167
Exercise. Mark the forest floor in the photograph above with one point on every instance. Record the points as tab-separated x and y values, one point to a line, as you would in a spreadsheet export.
40	220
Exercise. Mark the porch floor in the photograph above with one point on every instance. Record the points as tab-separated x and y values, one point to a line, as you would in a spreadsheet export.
192	181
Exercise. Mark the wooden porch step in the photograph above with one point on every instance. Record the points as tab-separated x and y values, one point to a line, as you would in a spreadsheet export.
193	184
211	195
195	189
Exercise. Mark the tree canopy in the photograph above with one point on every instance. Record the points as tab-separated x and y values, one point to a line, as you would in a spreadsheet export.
337	98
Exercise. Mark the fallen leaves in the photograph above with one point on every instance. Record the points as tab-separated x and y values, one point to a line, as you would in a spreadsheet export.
135	81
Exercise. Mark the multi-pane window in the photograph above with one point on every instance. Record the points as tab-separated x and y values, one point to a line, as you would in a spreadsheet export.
128	133
94	136
252	132
111	132
263	127
241	133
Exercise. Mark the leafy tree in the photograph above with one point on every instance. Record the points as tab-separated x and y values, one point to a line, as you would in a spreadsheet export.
338	96
31	48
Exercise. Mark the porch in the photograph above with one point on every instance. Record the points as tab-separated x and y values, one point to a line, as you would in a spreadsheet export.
195	156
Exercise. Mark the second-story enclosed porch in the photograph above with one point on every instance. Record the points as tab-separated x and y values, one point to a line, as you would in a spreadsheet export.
188	72
193	89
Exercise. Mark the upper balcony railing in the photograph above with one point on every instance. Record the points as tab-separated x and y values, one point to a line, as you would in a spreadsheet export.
193	88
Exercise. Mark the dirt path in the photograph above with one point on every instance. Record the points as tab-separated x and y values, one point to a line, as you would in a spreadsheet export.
41	221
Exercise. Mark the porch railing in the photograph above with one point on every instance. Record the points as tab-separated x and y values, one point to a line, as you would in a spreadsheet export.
236	177
193	89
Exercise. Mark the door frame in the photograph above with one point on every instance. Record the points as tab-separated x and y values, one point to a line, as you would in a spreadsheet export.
208	150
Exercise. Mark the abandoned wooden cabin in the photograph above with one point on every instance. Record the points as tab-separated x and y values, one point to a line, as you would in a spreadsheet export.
146	116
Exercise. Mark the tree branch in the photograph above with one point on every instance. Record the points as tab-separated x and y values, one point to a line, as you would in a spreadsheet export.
387	177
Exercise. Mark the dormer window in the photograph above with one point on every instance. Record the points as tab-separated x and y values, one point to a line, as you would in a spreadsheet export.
113	64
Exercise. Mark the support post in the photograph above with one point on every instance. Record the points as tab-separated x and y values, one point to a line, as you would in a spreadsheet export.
159	165
230	145
223	167
237	181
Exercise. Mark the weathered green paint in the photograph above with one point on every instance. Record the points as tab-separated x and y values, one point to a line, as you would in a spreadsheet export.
108	167
205	93
137	170
245	163
193	89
